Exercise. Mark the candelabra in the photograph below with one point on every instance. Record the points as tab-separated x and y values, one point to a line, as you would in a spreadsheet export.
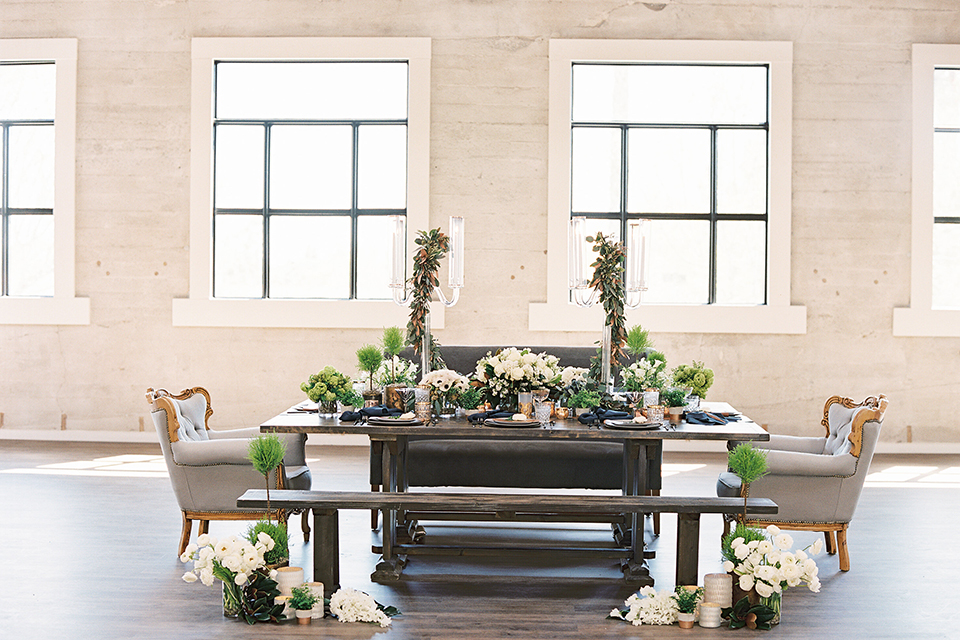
403	297
635	280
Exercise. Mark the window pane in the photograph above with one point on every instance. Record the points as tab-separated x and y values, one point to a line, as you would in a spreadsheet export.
595	170
31	167
946	168
670	94
741	262
741	171
374	255
31	255
310	257
679	262
311	167
28	91
382	171
668	171
238	252
946	98
239	167
312	90
946	266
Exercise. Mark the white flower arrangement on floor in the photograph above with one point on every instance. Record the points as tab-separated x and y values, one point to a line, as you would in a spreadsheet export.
768	566
648	606
350	605
231	559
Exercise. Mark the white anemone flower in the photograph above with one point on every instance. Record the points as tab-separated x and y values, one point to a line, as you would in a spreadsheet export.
746	582
206	577
764	590
773	530
189	576
783	541
240	580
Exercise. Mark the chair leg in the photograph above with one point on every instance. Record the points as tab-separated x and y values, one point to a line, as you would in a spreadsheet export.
374	514
305	525
842	546
831	542
185	533
204	527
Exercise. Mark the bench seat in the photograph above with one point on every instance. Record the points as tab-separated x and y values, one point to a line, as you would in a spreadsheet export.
325	506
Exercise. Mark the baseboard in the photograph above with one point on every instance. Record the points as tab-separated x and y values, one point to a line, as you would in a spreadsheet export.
359	440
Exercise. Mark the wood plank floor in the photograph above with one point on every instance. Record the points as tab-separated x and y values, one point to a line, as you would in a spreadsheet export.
90	534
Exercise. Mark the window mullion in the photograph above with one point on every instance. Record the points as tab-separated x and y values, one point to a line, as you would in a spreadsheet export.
4	217
354	226
712	277
265	285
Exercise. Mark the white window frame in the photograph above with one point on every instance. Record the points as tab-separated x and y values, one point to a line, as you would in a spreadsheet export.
63	308
778	315
920	318
200	309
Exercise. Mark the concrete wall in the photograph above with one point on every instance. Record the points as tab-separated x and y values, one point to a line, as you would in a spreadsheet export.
851	214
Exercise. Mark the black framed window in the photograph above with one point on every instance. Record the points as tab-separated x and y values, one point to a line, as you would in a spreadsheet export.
27	107
310	159
946	188
686	146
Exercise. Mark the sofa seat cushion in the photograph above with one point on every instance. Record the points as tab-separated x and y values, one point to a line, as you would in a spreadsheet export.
524	464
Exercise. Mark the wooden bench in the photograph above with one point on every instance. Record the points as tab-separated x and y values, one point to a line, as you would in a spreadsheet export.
325	506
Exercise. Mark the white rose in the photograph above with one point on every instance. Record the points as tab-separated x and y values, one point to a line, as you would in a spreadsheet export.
517	373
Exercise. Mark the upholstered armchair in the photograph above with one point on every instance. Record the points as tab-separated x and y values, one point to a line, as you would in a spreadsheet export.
209	469
816	482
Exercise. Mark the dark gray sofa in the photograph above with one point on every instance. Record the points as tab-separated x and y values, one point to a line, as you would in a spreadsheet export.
526	464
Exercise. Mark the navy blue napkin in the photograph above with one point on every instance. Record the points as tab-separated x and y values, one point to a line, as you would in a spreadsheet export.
702	417
369	412
483	415
600	414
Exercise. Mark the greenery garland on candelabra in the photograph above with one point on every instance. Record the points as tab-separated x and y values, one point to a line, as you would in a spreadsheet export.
608	282
434	245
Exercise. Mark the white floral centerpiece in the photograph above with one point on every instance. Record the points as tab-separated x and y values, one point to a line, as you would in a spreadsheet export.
570	374
766	565
645	374
395	371
511	370
232	560
446	385
648	606
350	605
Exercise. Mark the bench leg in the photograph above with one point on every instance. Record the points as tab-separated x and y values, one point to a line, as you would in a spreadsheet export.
688	548
326	549
374	513
842	548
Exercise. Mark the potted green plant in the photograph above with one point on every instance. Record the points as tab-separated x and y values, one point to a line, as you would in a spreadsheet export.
266	453
695	376
302	599
395	373
687	599
279	556
584	400
675	400
470	400
369	359
749	465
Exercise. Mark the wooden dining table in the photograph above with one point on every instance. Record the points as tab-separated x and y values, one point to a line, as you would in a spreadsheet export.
642	451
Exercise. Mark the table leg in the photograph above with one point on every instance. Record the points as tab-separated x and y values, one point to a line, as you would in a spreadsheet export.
390	566
326	548
635	570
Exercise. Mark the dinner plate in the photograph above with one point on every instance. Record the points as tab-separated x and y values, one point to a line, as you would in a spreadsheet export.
515	424
395	422
630	424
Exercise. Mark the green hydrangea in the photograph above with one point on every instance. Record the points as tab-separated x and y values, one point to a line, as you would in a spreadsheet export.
327	386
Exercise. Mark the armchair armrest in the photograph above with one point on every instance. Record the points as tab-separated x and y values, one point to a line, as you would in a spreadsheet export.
793	463
211	452
295	455
799	444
